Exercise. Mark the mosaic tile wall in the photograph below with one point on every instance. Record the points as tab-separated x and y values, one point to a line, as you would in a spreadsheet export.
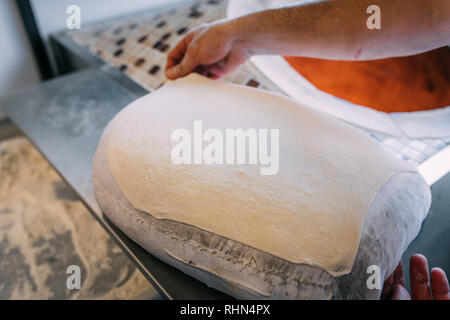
138	44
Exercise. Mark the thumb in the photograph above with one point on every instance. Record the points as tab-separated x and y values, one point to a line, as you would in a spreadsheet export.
186	66
400	293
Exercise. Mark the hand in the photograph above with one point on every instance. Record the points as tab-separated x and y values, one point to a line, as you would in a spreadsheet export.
394	286
211	50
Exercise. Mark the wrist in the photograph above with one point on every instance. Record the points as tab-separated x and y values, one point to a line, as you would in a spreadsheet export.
239	34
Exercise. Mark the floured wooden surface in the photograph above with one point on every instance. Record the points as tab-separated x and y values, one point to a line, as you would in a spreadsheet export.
392	221
44	228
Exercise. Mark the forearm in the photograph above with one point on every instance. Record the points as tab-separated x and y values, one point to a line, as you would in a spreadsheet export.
336	29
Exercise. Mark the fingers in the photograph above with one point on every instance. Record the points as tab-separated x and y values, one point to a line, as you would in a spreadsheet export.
394	286
215	71
439	284
179	61
205	71
386	293
389	285
400	293
207	50
418	273
224	66
177	54
186	66
398	275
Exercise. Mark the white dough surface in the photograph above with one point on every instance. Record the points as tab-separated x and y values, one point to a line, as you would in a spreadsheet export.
312	212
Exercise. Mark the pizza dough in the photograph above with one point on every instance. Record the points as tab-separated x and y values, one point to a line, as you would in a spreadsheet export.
311	212
392	220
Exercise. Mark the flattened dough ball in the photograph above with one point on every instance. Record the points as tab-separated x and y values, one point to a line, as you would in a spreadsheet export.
339	202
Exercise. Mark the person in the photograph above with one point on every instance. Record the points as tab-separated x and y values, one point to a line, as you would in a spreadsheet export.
328	29
423	285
